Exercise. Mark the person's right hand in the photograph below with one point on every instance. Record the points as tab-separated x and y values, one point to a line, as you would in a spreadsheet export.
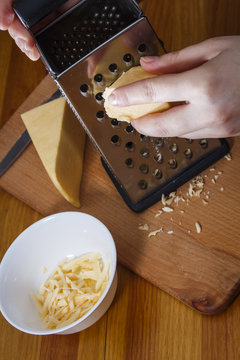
204	78
10	22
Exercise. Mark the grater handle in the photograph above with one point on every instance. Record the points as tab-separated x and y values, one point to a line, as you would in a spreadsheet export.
31	12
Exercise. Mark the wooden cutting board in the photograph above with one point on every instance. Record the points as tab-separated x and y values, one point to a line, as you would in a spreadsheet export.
200	269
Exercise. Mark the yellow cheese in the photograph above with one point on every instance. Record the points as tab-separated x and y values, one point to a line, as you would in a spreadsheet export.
128	113
59	140
71	290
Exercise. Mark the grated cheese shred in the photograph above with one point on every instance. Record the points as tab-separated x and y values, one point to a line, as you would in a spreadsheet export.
71	290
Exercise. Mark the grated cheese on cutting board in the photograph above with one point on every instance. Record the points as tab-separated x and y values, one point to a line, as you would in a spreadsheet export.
71	290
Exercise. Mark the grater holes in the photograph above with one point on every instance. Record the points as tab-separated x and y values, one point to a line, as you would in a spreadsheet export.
203	143
99	98
130	146
128	59
115	140
158	158
188	153
113	68
142	184
98	78
173	148
159	142
115	123
142	48
100	115
130	130
144	168
172	163
157	173
144	138
91	29
84	89
144	152
189	141
129	163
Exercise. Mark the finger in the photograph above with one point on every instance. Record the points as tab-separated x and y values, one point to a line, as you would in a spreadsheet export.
207	133
174	122
165	88
22	37
232	128
33	54
185	59
6	14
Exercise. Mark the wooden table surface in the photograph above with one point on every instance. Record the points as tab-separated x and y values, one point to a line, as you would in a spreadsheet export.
143	321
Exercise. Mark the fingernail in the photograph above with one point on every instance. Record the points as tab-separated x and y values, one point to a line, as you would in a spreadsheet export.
148	59
113	99
32	56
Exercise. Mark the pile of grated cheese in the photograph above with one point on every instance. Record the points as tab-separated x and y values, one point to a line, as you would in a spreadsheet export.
71	290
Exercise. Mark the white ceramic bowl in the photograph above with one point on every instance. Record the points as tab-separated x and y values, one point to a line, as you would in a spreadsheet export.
45	244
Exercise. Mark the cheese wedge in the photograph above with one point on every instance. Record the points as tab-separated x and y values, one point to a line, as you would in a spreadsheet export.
59	140
128	113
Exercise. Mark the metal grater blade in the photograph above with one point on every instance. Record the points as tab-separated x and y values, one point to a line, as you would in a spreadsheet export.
85	50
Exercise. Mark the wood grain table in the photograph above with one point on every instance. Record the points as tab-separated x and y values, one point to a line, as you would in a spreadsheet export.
143	321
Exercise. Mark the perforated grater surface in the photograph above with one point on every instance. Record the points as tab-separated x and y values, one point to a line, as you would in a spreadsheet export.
85	49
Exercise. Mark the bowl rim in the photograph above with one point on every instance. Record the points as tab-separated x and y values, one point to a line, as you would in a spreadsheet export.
95	306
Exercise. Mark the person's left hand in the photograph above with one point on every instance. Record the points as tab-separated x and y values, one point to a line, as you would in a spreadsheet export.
9	21
206	76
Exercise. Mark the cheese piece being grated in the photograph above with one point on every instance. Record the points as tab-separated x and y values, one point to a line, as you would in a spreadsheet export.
71	290
128	113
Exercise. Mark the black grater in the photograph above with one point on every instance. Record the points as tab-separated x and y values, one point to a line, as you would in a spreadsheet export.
85	49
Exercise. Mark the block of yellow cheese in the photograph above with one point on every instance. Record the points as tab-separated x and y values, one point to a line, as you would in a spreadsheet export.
128	113
59	140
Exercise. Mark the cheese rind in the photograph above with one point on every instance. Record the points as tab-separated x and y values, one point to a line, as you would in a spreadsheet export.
59	140
128	113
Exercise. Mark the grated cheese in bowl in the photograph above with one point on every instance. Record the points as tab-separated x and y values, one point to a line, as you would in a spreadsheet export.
71	290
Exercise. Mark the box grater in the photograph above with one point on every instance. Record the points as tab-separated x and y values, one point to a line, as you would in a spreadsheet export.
85	49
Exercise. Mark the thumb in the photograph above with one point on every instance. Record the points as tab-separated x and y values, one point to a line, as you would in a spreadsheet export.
185	59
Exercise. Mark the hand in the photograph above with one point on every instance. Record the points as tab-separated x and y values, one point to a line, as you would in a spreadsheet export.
10	22
206	76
